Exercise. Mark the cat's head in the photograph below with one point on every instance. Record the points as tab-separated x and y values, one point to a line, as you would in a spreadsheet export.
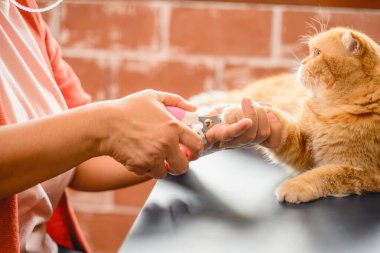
341	62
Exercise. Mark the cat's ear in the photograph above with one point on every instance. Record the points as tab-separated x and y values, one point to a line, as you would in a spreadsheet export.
352	43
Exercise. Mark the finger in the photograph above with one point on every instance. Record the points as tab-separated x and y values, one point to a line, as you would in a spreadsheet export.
265	104
274	139
250	112
177	161
158	170
226	132
263	131
240	141
192	141
170	99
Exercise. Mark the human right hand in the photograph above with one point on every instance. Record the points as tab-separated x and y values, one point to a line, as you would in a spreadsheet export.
142	134
137	131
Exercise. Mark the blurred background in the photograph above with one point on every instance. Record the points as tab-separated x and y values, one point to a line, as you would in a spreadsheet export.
118	47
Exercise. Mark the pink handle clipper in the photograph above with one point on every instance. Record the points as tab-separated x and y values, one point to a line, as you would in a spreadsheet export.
179	114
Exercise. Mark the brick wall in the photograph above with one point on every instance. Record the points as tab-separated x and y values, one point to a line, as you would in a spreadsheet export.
120	47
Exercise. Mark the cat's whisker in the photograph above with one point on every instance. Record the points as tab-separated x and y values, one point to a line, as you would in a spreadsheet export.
317	22
320	23
325	23
304	39
312	27
296	59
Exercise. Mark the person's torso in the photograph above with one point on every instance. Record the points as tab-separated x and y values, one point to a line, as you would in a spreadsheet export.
28	91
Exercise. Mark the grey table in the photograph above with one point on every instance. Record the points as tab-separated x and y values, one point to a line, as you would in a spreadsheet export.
226	203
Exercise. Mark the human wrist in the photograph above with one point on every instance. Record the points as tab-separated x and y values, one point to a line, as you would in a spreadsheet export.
100	117
210	147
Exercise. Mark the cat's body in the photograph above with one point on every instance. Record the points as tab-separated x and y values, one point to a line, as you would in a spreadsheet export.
331	130
270	90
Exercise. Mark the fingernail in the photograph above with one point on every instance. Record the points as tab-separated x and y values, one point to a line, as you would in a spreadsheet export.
173	173
247	102
272	117
167	166
256	104
193	107
265	104
184	151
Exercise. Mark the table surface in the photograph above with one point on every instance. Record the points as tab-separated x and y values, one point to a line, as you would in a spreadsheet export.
226	203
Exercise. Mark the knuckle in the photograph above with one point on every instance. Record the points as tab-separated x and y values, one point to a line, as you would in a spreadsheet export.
152	160
199	144
176	96
181	170
174	124
138	172
260	110
150	91
164	147
224	136
272	144
253	136
265	133
131	161
156	158
161	173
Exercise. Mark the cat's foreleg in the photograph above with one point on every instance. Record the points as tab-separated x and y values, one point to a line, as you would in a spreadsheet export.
295	148
329	180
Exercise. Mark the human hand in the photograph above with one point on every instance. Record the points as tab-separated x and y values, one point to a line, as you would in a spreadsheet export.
246	126
142	134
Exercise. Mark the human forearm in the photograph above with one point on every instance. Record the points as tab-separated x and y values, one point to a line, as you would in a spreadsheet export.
102	174
37	150
136	130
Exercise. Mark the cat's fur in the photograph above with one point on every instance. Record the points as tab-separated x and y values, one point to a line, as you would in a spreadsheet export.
330	123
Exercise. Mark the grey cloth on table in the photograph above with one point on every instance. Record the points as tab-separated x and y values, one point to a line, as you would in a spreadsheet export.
226	203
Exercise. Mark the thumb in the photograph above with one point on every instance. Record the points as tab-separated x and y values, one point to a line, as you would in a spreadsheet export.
170	99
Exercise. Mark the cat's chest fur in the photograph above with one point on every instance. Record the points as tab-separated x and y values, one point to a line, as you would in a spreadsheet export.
340	141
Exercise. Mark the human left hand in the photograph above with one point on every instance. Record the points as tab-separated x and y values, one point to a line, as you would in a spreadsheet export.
245	127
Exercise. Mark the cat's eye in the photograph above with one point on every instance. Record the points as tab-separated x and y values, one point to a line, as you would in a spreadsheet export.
317	52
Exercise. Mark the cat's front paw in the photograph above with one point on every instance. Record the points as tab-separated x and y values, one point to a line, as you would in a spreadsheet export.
232	113
280	115
296	191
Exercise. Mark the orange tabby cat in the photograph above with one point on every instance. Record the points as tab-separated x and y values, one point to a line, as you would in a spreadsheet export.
331	123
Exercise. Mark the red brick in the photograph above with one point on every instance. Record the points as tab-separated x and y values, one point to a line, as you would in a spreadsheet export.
241	32
94	75
88	198
135	195
110	25
295	25
237	76
105	232
177	77
364	21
